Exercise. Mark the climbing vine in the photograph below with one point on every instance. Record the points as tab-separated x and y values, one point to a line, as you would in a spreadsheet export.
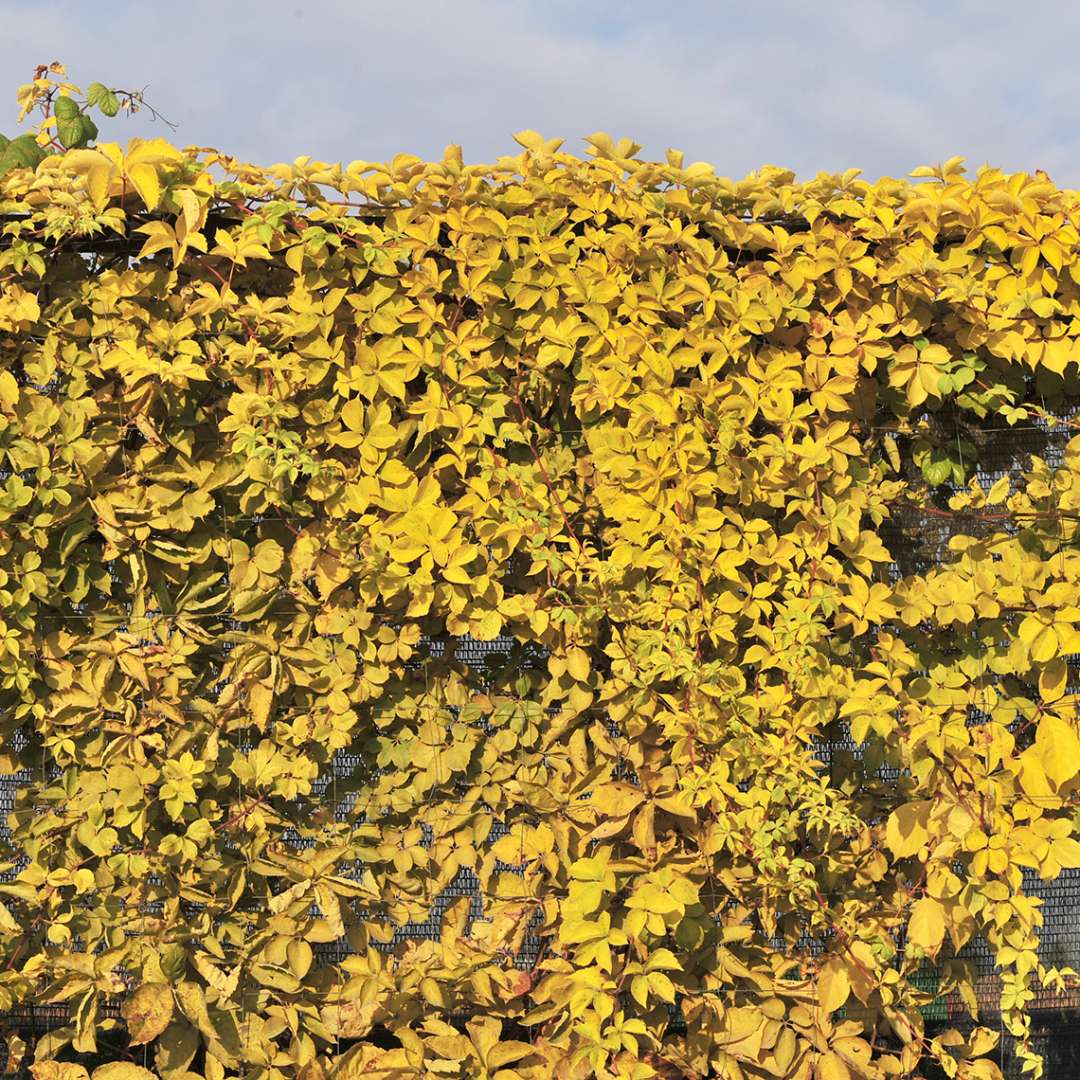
477	620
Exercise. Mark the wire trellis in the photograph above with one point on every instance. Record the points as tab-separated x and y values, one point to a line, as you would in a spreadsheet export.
918	536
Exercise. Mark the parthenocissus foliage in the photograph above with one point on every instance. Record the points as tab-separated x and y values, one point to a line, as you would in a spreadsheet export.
282	449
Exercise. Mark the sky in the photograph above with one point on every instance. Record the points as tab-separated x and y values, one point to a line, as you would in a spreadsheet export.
823	86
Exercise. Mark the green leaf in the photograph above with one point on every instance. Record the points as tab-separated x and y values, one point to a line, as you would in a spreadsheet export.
21	153
937	470
66	109
174	962
101	97
77	131
70	130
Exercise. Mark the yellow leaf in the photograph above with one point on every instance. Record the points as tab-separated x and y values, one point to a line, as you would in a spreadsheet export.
330	906
144	179
577	663
99	182
224	984
9	391
151	151
833	986
268	556
300	957
160	235
1052	680
432	993
831	1066
122	1070
1033	778
983	1069
531	140
191	209
926	927
58	1070
192	1001
934	354
617	799
148	1012
7	921
260	701
352	414
294	258
1067	852
998	491
906	830
1043	643
1058	749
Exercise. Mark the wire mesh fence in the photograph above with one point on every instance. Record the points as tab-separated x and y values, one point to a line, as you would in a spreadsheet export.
919	539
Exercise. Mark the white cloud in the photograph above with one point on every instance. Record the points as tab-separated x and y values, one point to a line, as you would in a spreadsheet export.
881	85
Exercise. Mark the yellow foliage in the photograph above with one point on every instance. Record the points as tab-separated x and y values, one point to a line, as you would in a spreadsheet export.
368	530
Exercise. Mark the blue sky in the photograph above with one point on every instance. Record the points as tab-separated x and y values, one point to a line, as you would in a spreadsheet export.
883	86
